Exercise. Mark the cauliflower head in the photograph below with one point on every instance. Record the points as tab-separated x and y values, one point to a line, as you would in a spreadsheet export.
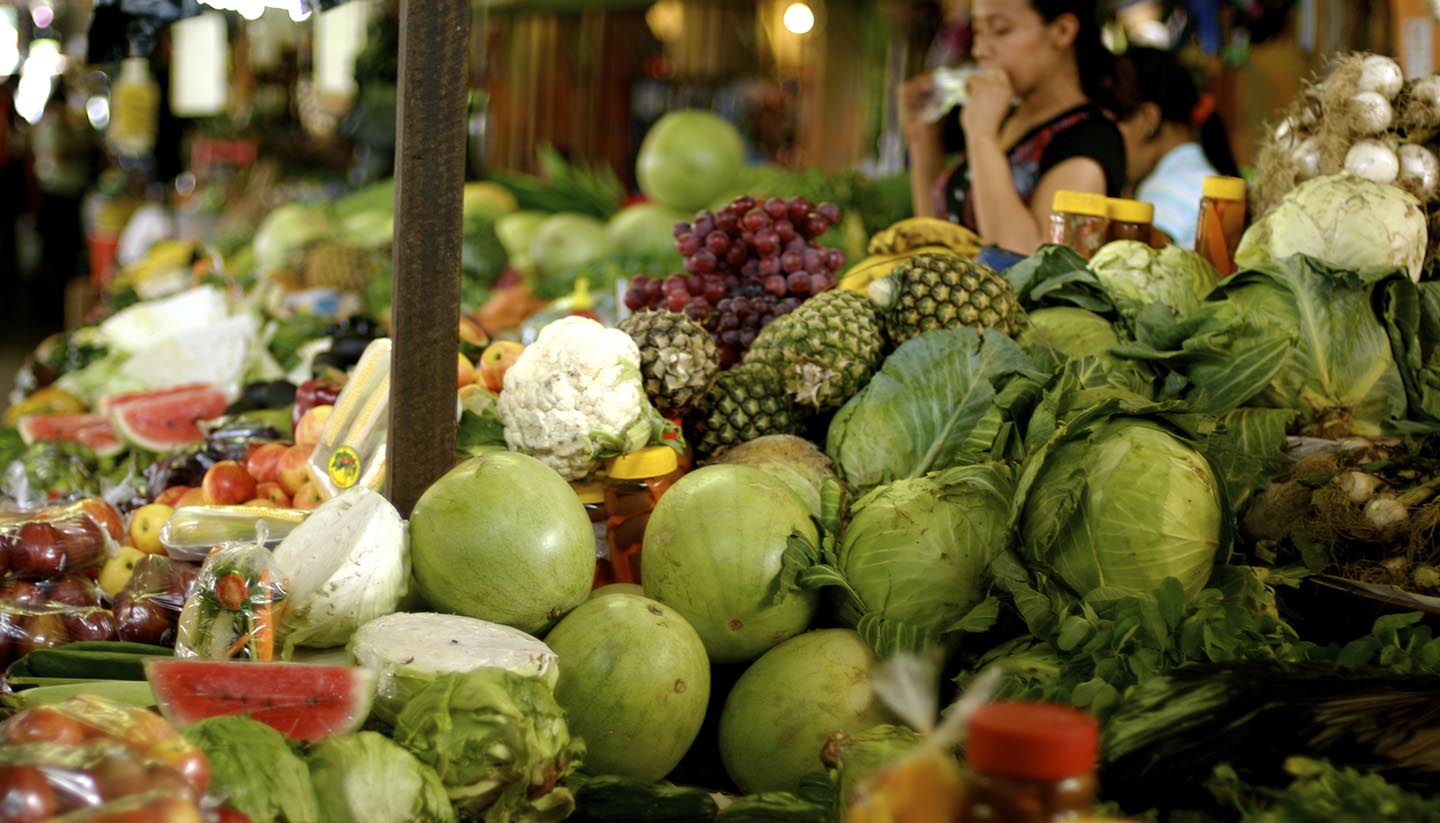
575	397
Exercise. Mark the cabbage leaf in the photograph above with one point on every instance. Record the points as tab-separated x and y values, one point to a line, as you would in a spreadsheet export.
1056	275
940	400
1289	334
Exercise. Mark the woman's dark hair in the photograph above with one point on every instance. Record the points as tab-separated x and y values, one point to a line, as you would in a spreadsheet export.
1163	79
1103	77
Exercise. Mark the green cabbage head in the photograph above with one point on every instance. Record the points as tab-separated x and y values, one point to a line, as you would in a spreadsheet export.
1134	275
1125	505
367	776
499	742
917	551
1346	221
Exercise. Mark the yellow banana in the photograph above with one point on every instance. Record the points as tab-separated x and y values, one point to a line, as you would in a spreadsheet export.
859	276
912	232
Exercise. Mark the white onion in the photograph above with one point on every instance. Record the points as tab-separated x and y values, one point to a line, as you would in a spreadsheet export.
1287	135
1307	158
1372	112
1372	160
1426	90
1386	513
1419	171
1381	74
1358	486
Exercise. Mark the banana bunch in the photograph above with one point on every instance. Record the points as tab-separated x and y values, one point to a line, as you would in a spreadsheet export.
912	233
905	239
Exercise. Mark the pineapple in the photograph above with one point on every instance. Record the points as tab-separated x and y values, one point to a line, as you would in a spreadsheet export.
337	266
746	402
945	291
677	359
825	350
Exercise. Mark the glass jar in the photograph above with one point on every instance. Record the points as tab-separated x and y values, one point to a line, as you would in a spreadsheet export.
1129	220
633	485
1030	763
1221	222
592	497
1078	220
134	108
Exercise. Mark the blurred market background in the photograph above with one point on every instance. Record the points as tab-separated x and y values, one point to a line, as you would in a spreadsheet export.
247	105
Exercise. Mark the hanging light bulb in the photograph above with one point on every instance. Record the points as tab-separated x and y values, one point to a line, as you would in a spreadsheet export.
798	18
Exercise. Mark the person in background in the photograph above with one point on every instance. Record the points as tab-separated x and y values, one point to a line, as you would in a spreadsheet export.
1035	122
1173	141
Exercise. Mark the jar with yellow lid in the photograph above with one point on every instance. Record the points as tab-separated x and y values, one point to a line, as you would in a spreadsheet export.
1221	222
633	485
1129	220
592	497
1078	219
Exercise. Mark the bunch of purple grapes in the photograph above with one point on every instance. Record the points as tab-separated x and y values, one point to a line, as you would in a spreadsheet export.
745	265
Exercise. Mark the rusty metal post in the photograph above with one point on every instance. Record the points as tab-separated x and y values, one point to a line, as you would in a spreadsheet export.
429	176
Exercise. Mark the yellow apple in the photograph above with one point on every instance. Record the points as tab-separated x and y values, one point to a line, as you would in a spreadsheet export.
145	523
312	422
117	570
497	358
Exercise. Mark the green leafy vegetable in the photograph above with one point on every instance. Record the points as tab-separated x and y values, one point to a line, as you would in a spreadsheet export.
497	740
917	552
367	776
938	401
254	769
1057	275
1289	334
1349	222
1322	791
1135	275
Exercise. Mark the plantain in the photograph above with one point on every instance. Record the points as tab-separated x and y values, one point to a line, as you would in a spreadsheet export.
912	232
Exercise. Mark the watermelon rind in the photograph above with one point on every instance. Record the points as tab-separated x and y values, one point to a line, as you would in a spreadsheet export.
92	430
166	422
303	701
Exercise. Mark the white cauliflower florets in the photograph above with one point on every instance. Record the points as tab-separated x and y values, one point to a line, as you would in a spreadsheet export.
575	397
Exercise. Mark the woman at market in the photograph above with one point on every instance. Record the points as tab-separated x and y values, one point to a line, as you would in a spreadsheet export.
1173	141
1034	123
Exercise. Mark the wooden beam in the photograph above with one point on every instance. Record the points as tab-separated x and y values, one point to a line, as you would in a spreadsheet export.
429	173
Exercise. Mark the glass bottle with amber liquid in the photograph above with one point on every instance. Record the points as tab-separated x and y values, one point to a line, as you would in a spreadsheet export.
633	485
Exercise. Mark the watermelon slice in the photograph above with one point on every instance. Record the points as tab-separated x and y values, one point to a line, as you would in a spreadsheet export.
303	701
165	420
93	430
111	402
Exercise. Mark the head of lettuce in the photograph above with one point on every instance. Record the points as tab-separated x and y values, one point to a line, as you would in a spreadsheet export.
497	740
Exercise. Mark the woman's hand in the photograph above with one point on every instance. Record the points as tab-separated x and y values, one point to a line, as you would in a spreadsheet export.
991	96
914	95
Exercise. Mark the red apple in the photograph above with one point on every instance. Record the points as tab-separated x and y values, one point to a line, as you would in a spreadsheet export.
105	515
306	497
496	360
39	554
171	496
227	484
312	422
294	468
262	460
273	493
193	497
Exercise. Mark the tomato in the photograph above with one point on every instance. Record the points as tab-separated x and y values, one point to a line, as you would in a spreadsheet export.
186	759
25	795
44	725
116	777
148	730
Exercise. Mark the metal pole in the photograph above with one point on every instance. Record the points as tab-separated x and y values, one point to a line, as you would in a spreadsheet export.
429	173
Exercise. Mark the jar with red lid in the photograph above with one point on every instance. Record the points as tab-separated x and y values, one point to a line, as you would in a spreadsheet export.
1030	763
633	485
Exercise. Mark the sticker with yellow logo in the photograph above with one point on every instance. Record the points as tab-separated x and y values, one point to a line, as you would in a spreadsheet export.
344	467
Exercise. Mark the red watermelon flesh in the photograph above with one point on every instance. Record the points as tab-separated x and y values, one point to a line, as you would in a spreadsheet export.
165	422
111	402
303	701
92	430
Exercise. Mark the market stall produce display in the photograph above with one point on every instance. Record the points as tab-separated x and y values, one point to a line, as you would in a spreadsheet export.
1111	484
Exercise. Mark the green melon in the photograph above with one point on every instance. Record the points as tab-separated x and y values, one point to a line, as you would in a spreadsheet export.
713	550
785	706
502	537
634	683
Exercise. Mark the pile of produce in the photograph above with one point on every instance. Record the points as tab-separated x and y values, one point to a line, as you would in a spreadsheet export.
1113	484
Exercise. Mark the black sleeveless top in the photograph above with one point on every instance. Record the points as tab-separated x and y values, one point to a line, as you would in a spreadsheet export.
1083	131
